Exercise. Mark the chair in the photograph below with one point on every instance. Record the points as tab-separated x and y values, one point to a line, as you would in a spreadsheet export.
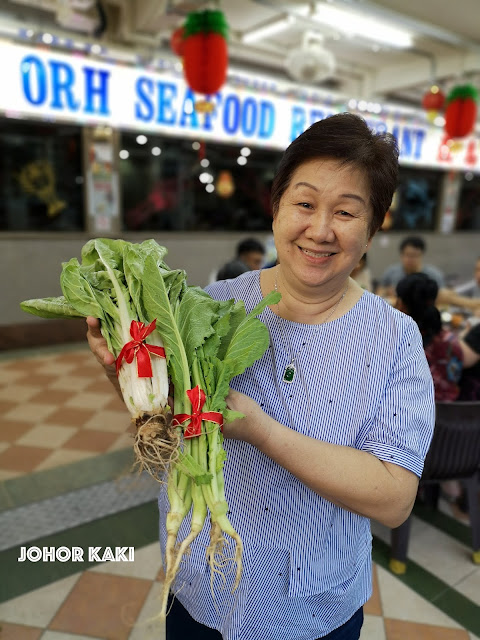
454	454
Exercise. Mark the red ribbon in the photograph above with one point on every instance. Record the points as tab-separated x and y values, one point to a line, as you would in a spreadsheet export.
194	428
139	349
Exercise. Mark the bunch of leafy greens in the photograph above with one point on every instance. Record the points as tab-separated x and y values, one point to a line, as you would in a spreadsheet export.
207	343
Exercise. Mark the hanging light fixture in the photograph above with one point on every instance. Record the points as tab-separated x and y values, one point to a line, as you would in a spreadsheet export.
268	29
358	24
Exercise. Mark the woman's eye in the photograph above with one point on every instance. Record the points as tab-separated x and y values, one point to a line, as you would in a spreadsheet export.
304	205
344	213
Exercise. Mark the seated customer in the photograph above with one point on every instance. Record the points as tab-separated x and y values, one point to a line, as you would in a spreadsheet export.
249	257
470	380
416	295
412	250
471	289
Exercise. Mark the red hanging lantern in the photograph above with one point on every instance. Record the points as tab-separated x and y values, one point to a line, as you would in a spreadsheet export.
205	53
433	101
176	41
461	111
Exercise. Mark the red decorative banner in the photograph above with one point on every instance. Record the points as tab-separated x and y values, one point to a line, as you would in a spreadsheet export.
139	349
194	428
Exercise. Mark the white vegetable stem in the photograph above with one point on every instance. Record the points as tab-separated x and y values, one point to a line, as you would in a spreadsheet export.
145	395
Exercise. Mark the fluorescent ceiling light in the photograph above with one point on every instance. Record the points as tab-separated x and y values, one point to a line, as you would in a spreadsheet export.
365	27
266	30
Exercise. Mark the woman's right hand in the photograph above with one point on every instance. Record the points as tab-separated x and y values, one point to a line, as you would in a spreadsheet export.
98	346
97	343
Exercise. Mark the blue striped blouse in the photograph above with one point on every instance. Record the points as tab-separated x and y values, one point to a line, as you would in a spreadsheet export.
307	562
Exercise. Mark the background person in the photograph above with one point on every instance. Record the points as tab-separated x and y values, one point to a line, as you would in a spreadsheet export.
416	295
471	289
412	251
470	380
339	412
249	256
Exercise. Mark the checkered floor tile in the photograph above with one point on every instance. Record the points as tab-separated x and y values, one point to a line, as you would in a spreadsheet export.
120	602
56	409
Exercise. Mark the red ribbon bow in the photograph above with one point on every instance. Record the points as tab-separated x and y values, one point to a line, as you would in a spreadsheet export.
139	349
194	428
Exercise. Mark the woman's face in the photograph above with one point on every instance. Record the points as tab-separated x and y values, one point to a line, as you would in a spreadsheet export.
322	225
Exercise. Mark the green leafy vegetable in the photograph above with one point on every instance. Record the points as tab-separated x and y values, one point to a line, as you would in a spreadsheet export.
143	305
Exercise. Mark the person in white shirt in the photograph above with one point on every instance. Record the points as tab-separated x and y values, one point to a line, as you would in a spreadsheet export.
471	289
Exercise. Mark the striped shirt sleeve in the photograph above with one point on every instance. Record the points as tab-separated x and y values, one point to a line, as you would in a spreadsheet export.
403	425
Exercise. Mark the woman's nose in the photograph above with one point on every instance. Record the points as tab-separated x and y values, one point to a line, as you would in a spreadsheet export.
320	228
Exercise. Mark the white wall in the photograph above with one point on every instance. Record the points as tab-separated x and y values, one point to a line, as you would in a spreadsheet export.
31	263
455	254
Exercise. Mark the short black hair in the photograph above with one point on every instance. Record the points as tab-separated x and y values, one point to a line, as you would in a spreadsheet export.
413	241
248	245
232	270
418	293
348	138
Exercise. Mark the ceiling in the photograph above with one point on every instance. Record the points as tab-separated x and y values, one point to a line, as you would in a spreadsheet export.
445	38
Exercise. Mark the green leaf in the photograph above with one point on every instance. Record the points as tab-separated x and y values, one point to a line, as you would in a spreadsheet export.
133	269
50	308
151	247
221	328
78	292
157	305
236	316
195	315
250	339
221	458
175	284
188	465
112	248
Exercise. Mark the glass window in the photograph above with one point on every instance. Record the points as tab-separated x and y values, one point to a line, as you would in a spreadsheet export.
416	201
468	213
41	180
178	184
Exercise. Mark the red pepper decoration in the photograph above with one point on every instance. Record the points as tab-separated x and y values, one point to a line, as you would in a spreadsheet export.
461	112
194	428
139	349
205	53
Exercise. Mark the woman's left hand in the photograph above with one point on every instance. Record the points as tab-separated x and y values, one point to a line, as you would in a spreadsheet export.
254	428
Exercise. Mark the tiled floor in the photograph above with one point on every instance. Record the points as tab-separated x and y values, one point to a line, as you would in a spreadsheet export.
65	479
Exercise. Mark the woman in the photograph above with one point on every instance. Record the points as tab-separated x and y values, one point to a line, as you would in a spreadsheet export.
416	295
338	412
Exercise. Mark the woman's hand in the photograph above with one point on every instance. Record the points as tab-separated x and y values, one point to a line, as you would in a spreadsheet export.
98	346
97	343
254	428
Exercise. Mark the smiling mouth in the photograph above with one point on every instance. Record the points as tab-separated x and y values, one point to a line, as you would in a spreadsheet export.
316	254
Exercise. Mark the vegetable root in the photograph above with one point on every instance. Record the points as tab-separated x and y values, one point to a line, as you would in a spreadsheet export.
216	556
156	444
